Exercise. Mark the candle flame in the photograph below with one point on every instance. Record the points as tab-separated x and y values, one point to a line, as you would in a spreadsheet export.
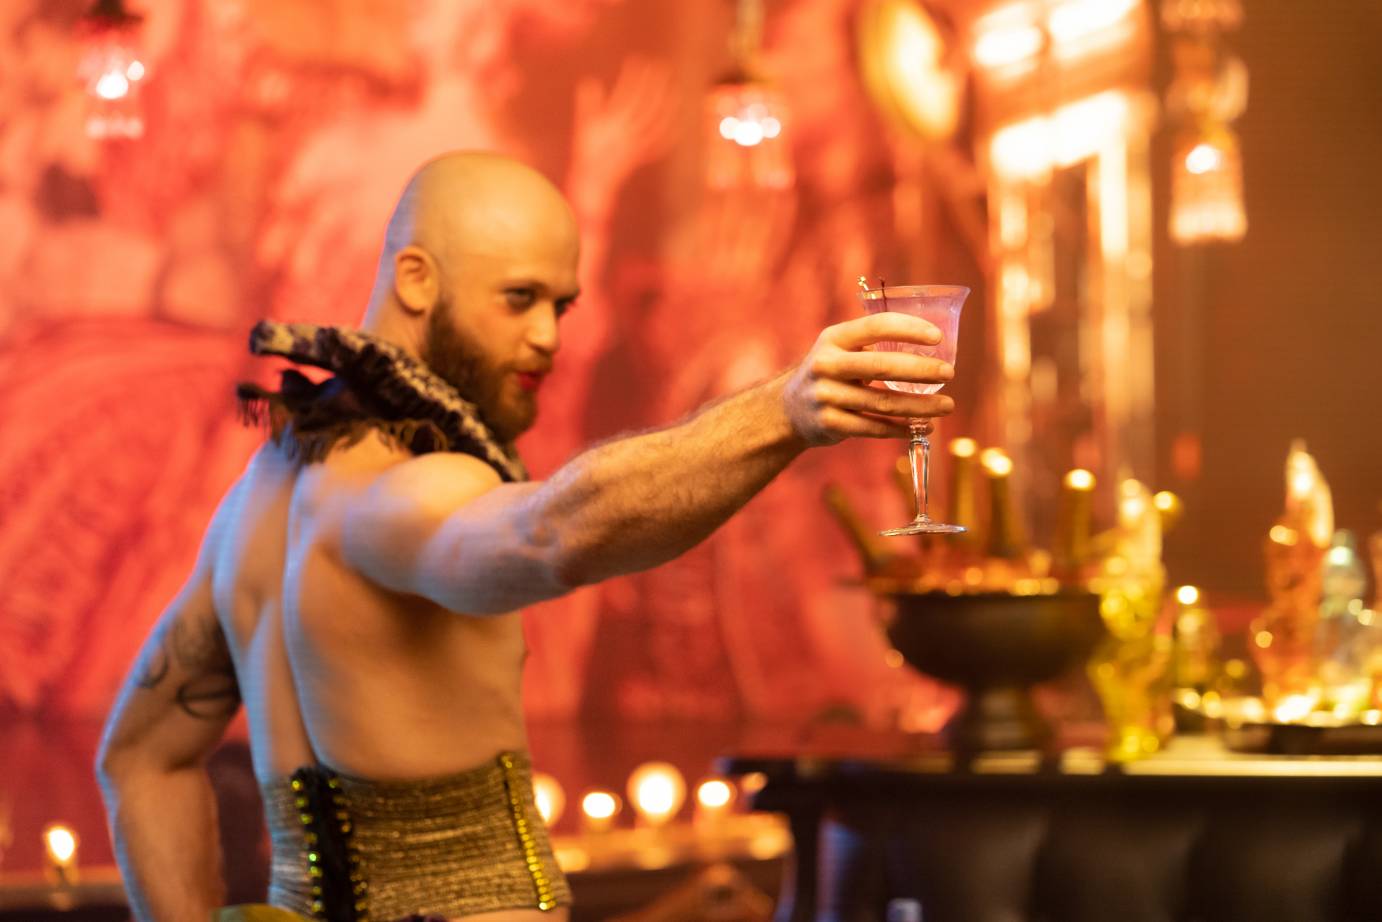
1280	534
1188	595
1166	501
61	844
963	447
714	794
1079	479
996	462
600	805
657	791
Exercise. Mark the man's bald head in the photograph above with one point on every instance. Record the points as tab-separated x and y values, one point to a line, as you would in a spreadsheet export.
479	265
465	205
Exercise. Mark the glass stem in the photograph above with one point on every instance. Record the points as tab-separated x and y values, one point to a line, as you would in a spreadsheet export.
920	457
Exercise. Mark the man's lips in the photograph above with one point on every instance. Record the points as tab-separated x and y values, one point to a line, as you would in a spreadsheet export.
530	380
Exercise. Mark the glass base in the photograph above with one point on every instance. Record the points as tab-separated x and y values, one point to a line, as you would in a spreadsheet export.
924	527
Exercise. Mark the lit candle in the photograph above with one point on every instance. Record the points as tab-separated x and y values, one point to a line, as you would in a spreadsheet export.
1005	539
1072	525
599	810
549	798
1170	508
60	842
714	803
963	502
657	791
1195	664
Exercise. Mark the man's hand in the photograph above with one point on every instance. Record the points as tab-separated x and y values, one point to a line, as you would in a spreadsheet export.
829	398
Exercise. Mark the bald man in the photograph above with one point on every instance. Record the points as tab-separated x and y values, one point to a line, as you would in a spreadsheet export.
360	585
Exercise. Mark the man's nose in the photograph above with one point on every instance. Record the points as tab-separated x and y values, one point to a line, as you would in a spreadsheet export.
543	333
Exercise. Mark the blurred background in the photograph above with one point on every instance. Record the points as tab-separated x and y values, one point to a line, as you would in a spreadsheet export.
1167	213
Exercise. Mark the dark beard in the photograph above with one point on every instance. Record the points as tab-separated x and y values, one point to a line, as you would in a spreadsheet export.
461	362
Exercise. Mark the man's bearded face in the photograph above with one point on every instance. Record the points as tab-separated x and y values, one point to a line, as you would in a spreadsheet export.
479	377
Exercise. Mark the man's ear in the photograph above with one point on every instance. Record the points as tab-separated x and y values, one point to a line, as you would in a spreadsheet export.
416	279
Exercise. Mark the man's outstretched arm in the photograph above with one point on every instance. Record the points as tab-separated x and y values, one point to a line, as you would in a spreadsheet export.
441	526
171	712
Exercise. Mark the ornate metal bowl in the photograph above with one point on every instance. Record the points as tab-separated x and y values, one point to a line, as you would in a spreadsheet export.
996	646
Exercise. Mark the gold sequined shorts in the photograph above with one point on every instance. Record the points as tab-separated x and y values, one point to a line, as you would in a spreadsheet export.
450	846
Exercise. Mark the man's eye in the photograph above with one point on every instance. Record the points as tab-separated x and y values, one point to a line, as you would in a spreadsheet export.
564	305
520	297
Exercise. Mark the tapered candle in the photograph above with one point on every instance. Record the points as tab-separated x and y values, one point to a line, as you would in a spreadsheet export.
60	843
1072	525
1170	508
1005	535
599	809
963	502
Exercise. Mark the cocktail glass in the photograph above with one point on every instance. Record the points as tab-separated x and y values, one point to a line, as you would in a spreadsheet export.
939	304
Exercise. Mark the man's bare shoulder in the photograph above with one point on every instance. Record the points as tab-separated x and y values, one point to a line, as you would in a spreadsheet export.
374	466
375	487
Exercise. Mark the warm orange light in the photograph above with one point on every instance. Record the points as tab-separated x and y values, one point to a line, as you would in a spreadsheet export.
714	794
1282	535
657	791
1022	150
1207	188
963	448
598	809
1166	501
1008	37
747	148
1003	47
1188	595
1077	21
1202	158
1079	479
995	462
753	782
549	797
903	56
1294	708
1076	131
60	842
112	70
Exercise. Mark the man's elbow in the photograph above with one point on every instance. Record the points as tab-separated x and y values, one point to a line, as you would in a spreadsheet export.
570	556
112	767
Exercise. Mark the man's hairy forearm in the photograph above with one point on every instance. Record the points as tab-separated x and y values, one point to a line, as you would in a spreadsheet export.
636	502
166	841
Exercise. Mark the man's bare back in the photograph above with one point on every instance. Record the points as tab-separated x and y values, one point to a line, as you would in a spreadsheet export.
393	686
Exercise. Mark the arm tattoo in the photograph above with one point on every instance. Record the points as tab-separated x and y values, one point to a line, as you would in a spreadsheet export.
210	690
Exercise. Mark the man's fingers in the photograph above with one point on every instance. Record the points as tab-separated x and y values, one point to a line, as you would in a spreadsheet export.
882	366
888	326
843	424
858	398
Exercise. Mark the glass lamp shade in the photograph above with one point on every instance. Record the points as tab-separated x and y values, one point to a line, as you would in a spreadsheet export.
745	143
1207	188
112	69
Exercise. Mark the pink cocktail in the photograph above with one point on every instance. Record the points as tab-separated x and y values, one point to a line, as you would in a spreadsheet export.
940	305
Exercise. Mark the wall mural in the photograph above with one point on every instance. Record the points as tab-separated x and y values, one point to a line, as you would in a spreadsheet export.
277	135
